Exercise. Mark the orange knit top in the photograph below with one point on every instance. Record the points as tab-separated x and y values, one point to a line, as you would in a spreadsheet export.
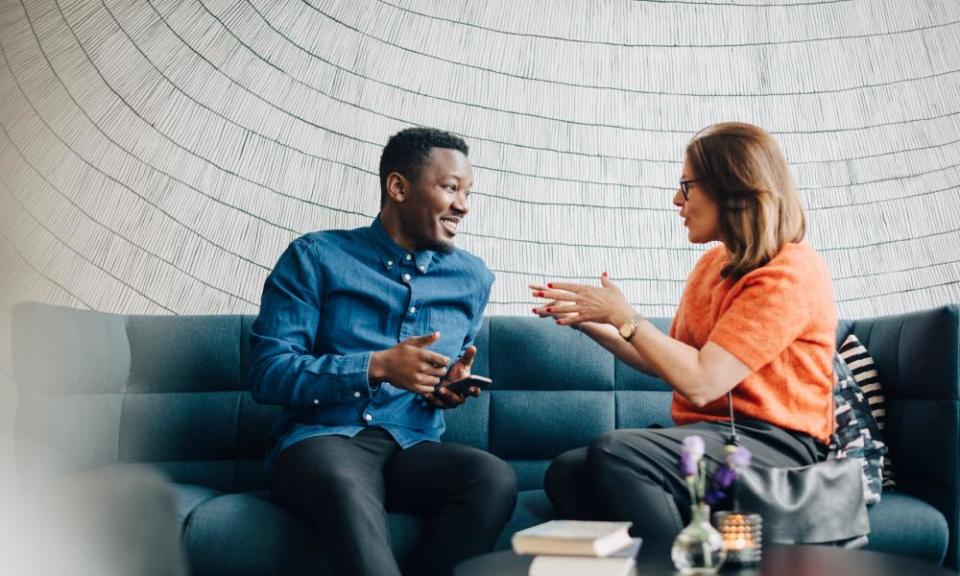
780	320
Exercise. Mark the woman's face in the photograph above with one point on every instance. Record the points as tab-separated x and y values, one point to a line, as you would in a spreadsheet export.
699	212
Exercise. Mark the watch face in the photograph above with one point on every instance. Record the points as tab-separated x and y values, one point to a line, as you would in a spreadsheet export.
626	329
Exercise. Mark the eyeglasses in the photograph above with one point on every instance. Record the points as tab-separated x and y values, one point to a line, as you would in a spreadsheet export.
685	188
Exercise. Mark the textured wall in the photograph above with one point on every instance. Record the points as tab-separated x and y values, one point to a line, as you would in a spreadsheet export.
156	156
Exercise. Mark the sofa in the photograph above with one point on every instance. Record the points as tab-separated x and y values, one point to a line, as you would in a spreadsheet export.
104	390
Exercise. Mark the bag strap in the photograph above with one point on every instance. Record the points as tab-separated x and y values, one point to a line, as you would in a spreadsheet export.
733	427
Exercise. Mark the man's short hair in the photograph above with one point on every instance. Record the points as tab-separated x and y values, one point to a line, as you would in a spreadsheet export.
407	151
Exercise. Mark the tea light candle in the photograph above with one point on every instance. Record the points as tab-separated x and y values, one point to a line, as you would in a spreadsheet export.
741	536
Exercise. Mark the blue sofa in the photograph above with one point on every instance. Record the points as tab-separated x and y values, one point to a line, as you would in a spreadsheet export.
99	390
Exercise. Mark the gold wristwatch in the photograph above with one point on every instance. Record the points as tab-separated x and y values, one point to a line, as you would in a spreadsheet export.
629	328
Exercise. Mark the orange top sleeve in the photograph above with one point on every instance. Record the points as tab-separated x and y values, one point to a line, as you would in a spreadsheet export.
780	320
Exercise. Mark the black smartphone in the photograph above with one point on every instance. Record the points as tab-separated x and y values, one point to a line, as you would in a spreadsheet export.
463	385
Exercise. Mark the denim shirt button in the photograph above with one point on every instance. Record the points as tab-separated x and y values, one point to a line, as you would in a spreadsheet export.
316	401
367	416
356	394
406	277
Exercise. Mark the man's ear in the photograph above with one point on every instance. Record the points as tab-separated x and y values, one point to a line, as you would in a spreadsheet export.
397	187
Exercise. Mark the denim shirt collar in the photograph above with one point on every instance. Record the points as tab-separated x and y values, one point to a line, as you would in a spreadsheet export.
392	254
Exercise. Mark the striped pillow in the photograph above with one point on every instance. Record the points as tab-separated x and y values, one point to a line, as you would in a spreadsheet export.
856	357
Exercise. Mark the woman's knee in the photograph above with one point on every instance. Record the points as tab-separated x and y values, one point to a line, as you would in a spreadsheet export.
619	451
566	470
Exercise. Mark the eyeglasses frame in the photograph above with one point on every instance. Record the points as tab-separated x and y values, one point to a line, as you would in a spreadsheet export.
685	187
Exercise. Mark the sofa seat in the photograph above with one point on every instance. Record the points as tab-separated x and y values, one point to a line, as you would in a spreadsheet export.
903	524
244	533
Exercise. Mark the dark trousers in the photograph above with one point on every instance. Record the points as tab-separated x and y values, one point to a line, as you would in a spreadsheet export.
633	474
343	487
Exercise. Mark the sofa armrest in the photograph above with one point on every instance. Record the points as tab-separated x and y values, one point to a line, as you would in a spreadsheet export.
918	359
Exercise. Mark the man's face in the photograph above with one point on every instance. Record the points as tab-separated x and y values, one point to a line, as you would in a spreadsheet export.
437	200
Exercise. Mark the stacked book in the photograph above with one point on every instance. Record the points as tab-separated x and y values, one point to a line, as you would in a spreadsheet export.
574	547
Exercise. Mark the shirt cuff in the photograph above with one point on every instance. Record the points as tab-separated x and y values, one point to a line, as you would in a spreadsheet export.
366	387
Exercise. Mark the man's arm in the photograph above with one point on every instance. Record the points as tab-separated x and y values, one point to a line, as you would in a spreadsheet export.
283	371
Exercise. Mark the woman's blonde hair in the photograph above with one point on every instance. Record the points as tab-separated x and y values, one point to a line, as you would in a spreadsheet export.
744	172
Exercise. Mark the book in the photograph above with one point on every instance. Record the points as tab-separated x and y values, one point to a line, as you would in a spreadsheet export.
573	538
619	563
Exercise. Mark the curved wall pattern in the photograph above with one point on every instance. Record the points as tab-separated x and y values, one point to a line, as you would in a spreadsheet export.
156	156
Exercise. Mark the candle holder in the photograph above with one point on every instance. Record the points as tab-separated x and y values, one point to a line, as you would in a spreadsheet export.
741	536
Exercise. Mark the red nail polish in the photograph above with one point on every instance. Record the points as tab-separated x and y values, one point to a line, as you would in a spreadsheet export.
549	309
534	310
550	285
604	273
558	322
540	293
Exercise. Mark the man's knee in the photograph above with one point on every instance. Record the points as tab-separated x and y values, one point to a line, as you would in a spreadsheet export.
498	477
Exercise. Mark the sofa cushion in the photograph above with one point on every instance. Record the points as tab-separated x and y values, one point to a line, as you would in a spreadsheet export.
246	533
906	525
187	497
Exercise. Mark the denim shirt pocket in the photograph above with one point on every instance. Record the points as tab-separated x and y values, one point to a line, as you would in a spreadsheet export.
453	323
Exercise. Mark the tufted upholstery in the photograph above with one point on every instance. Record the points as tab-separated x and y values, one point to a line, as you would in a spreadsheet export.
108	390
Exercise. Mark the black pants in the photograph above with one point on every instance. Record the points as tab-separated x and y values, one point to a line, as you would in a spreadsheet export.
343	487
633	474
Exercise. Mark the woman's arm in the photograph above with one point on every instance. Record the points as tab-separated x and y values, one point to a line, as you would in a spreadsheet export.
701	376
608	337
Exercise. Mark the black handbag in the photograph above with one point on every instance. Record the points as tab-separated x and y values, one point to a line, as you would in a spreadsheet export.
822	503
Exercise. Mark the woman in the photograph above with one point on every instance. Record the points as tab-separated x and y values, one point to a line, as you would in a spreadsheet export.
756	317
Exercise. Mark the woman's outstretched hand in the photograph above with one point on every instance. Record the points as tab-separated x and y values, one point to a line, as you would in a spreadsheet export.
572	304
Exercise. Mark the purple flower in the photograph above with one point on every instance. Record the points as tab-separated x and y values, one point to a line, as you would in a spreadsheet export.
690	455
693	446
738	458
714	497
724	477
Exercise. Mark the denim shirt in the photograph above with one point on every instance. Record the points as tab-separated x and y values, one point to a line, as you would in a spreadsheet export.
333	299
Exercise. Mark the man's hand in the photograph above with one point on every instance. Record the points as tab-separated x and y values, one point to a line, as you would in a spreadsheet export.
445	398
409	365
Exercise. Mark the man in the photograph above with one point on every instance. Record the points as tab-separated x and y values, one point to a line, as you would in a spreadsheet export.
355	338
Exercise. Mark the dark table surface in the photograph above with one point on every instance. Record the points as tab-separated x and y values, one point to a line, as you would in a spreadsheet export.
778	560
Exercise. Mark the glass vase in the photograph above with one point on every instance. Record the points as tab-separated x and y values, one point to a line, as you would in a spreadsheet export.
698	548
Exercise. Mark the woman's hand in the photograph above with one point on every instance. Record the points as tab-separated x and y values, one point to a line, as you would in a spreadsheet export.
573	304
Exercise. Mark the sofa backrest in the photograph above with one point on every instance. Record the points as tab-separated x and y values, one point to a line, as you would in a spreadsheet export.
104	389
553	389
99	389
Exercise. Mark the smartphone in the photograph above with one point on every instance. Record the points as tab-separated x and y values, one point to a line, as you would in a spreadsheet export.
463	385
